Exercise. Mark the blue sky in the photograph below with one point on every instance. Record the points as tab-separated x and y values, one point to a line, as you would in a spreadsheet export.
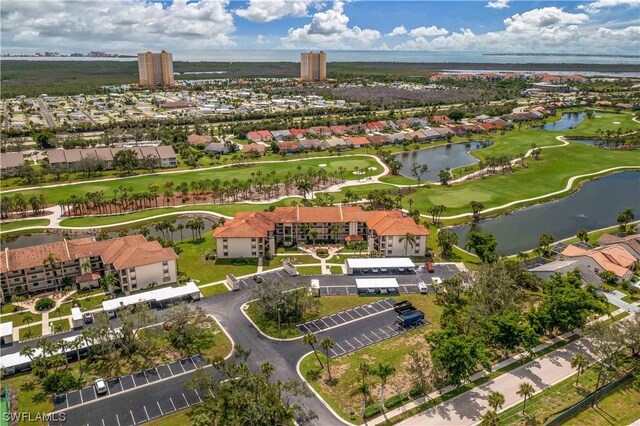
126	26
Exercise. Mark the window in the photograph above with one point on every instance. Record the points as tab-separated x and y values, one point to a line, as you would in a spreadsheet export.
389	251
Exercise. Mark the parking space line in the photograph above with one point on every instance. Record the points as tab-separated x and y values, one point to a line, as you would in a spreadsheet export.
347	313
356	339
347	288
365	336
324	323
159	408
181	366
393	332
211	392
340	316
118	419
132	418
81	398
185	399
103	422
334	321
341	348
133	380
174	405
347	342
145	411
197	394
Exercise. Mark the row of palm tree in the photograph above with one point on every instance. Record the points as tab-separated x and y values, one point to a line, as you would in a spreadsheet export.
18	204
261	186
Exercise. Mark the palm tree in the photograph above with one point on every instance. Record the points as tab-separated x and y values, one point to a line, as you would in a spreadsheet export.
582	235
476	208
86	267
76	345
52	261
304	187
525	390
28	319
108	281
334	231
580	363
624	217
313	233
384	371
409	240
490	418
311	339
180	227
496	400
327	344
364	370
28	351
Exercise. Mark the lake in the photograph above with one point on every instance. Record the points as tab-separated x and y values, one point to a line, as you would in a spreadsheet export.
29	240
568	121
596	205
439	158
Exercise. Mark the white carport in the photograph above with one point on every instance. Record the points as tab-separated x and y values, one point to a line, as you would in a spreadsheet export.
160	295
376	283
76	317
6	332
399	264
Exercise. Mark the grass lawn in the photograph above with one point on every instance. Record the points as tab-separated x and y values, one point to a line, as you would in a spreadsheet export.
31	398
140	183
398	180
620	407
496	190
62	310
19	318
213	289
340	395
336	270
192	261
92	302
8	308
180	418
31	332
221	344
10	226
60	325
309	270
92	292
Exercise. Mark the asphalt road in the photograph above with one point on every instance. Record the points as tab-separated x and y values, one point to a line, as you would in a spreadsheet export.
153	400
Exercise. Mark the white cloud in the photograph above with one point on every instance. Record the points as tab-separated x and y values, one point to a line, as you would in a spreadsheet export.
548	29
431	31
128	25
260	39
401	30
598	5
330	29
271	10
498	4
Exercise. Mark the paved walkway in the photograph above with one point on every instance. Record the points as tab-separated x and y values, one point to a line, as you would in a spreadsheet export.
615	297
468	408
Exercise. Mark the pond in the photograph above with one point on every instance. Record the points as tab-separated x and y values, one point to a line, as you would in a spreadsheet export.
439	158
596	205
594	142
568	121
28	240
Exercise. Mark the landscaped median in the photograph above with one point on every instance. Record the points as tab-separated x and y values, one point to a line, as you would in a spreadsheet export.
19	224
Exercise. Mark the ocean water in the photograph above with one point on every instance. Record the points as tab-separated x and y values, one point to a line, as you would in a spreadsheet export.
369	56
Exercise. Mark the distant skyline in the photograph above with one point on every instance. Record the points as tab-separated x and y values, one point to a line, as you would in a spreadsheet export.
181	26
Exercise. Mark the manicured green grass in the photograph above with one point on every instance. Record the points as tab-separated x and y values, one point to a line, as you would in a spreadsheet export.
180	418
336	270
10	226
192	262
92	292
604	122
213	290
31	398
62	310
140	183
8	308
620	407
398	180
221	343
560	164
19	317
60	325
309	270
31	333
92	302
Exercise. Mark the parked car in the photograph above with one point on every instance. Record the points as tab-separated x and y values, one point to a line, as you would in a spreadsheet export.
429	266
100	386
384	270
436	280
375	270
258	279
88	318
410	318
403	306
112	314
422	287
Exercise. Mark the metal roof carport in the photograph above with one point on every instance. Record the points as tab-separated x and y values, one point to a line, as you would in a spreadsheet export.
159	295
376	283
358	265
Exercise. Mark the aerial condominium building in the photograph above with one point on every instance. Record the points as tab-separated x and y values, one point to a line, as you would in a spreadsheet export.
254	234
155	69
313	66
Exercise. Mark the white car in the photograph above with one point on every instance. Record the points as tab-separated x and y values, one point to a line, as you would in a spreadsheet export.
422	287
436	280
100	386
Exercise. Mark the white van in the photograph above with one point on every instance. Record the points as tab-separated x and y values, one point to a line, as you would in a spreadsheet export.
422	287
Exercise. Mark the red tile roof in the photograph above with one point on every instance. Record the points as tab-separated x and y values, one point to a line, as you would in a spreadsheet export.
194	139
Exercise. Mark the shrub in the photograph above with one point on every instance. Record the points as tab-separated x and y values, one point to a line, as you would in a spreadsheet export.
371	410
44	304
395	400
60	381
322	252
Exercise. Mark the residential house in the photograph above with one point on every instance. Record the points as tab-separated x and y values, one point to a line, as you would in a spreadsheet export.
630	242
357	141
440	119
281	135
289	147
217	148
562	267
256	148
338	130
298	133
310	143
254	234
9	163
195	139
375	126
69	158
417	136
432	134
613	258
319	131
337	143
396	138
378	139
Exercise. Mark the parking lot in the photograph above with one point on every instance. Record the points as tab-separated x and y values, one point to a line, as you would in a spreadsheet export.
368	332
130	381
341	318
